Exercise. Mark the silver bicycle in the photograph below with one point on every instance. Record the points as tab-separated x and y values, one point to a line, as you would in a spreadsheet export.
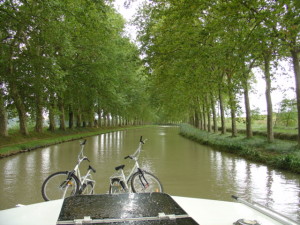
63	184
137	181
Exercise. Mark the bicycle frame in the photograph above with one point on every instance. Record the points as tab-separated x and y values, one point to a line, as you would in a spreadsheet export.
72	182
121	175
87	177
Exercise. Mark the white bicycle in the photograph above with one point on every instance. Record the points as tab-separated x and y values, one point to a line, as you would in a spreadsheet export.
63	184
137	181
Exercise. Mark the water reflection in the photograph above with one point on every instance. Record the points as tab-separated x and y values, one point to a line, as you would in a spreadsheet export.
185	168
255	182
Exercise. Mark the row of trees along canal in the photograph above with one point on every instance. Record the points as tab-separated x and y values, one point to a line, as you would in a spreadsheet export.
201	54
68	59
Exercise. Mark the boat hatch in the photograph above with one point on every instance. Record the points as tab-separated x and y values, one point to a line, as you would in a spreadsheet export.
133	208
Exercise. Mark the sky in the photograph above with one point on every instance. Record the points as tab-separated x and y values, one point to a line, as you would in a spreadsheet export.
284	82
128	13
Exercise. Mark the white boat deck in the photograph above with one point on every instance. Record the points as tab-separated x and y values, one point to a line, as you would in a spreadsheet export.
204	211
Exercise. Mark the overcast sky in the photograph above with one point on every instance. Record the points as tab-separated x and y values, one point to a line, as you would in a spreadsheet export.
284	82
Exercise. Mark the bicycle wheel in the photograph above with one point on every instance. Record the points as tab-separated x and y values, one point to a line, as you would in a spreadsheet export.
87	189
60	185
116	187
145	182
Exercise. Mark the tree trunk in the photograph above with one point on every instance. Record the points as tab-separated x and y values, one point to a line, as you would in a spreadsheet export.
20	109
78	119
39	114
196	119
232	103
296	66
112	121
191	119
91	119
208	117
3	116
248	111
200	119
222	111
215	125
270	135
71	117
204	117
51	108
233	116
99	117
104	120
19	103
108	120
51	119
62	125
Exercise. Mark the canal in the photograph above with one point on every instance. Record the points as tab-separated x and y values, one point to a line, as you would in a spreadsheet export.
184	167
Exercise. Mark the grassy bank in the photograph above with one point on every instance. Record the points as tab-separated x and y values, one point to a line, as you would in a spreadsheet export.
279	154
17	143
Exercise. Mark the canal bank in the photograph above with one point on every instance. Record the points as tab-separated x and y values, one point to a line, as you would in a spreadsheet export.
16	144
279	154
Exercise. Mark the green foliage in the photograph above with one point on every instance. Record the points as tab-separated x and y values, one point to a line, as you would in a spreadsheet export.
287	114
198	51
66	55
256	115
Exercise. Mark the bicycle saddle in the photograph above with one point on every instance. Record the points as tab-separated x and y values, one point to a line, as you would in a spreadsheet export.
119	167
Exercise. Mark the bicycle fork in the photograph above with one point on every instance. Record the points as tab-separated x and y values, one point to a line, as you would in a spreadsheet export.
65	184
142	179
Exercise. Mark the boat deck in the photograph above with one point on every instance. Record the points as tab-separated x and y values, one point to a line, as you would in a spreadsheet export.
203	211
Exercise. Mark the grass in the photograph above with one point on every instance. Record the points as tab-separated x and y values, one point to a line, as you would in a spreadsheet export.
17	142
259	128
280	154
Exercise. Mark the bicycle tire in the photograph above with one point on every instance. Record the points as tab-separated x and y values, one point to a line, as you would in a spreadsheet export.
60	185
116	187
143	181
87	189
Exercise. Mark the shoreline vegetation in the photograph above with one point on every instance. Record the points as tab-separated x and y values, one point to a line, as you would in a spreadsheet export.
18	143
280	154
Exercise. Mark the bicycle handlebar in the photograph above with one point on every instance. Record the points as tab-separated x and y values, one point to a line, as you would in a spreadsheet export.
138	150
141	140
91	168
85	158
84	141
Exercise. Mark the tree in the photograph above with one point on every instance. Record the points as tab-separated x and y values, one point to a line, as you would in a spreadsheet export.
3	114
69	59
287	112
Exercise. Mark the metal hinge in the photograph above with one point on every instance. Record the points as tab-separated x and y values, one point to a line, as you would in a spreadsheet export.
85	220
164	216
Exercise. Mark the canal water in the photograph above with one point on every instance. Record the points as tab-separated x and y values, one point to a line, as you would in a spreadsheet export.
184	167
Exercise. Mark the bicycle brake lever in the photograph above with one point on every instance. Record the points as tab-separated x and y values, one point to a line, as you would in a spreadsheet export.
91	168
85	158
129	156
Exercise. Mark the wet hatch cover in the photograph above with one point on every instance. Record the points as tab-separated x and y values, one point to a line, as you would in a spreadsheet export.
133	208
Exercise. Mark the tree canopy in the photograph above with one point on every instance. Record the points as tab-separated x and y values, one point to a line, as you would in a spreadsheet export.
68	60
72	62
201	54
